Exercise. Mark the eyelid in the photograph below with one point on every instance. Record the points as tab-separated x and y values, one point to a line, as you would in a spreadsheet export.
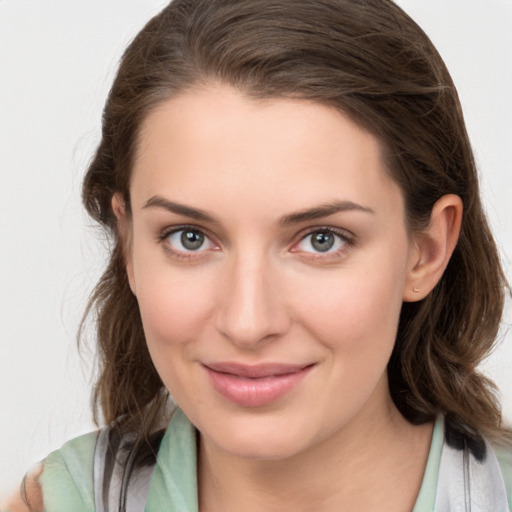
341	232
348	238
165	233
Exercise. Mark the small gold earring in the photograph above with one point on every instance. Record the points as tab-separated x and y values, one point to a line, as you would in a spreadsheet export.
416	290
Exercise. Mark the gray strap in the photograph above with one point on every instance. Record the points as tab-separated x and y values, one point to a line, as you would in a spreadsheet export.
466	484
100	452
115	489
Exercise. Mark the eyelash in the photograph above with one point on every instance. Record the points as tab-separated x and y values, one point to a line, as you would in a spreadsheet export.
348	241
179	254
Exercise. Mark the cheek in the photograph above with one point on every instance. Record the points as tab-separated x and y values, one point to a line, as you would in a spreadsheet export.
174	305
355	310
175	309
355	319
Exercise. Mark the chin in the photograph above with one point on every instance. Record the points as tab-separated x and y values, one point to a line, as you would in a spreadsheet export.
260	438
260	447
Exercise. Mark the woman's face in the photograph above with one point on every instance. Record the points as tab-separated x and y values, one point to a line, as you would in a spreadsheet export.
269	255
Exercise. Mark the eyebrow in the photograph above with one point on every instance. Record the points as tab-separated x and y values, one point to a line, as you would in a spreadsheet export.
179	209
324	210
317	212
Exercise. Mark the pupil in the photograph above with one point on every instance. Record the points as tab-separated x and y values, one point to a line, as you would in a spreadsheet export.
192	240
322	241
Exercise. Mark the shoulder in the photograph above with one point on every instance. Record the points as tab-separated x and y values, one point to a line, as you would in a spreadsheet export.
74	454
66	476
504	456
63	481
28	498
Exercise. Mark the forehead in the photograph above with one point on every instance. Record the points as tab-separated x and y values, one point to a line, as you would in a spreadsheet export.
241	149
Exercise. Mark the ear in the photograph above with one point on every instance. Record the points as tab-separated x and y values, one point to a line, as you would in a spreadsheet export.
124	232
433	247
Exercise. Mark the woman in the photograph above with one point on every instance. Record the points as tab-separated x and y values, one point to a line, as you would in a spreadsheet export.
301	260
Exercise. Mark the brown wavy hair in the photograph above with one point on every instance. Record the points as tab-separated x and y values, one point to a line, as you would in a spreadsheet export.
368	59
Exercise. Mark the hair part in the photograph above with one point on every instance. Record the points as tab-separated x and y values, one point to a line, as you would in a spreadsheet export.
368	59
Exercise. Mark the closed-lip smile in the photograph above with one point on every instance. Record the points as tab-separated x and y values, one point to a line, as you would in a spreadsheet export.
255	385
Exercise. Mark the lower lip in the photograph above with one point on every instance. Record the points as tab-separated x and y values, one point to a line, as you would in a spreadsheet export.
258	392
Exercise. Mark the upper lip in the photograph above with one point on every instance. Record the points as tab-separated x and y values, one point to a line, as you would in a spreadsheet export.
255	371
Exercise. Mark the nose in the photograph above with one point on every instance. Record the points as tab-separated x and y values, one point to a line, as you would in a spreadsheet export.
252	308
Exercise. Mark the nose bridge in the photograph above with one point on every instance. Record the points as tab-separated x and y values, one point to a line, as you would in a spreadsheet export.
251	307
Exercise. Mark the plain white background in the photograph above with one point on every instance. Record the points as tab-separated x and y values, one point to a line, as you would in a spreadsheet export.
57	60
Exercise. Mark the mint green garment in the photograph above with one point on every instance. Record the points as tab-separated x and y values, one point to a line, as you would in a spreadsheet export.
67	478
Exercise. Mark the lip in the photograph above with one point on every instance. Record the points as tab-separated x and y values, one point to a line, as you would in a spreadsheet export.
255	386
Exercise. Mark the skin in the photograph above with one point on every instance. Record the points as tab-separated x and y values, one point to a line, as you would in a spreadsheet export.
258	290
33	495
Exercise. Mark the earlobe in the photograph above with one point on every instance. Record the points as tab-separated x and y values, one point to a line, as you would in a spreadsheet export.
124	233
433	248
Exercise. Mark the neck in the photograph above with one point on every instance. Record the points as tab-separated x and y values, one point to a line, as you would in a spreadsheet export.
375	461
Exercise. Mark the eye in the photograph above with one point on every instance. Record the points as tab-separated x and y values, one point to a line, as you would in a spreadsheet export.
188	240
322	241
